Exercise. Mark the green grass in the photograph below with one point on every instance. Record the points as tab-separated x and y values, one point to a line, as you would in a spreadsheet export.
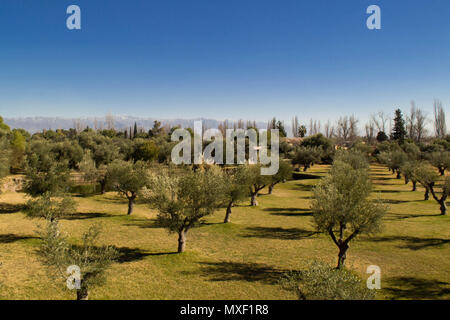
240	260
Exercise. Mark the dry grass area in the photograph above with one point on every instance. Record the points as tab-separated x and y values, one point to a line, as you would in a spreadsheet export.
240	260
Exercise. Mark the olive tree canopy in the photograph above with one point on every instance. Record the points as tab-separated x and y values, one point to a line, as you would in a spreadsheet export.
341	207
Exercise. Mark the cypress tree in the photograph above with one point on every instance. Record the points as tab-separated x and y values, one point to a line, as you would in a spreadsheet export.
135	130
399	131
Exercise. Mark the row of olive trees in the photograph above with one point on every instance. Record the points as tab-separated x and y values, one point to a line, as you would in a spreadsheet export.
395	159
421	168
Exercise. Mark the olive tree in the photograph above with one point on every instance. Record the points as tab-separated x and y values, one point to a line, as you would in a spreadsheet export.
355	158
128	178
393	160
92	173
50	208
62	257
429	179
182	199
426	176
236	185
307	156
409	170
440	160
341	207
257	182
44	173
103	151
284	173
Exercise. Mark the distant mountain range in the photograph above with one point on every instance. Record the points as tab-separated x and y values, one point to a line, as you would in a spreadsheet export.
36	124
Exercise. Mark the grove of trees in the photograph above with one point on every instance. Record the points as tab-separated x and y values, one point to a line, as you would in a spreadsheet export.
135	164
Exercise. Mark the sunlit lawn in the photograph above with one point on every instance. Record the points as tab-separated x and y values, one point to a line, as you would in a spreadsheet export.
241	260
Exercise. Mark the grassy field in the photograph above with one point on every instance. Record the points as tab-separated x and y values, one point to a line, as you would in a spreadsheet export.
241	260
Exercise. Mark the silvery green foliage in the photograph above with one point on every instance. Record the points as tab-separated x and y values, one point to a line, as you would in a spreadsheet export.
128	179
44	171
322	282
307	156
341	207
182	198
5	157
58	254
355	158
50	208
440	160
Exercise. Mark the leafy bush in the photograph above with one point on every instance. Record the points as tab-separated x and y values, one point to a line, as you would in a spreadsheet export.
322	282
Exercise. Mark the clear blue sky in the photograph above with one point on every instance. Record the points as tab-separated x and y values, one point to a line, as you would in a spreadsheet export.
250	59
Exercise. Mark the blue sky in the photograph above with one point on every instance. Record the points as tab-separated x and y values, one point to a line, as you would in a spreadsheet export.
250	59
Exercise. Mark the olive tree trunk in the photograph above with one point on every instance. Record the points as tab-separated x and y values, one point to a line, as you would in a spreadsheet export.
253	201
228	214
414	183
131	204
271	188
182	240
342	255
83	294
103	186
443	207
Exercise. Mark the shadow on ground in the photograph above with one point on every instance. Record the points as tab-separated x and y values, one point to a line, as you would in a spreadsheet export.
278	233
289	212
10	208
9	238
392	217
417	288
413	243
90	215
144	223
234	271
304	176
304	187
135	254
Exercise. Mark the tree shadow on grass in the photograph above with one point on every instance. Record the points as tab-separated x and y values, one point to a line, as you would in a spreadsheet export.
378	178
10	208
377	182
417	288
126	254
304	187
304	176
289	212
392	201
90	215
9	238
414	243
234	271
144	224
394	217
278	233
389	191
